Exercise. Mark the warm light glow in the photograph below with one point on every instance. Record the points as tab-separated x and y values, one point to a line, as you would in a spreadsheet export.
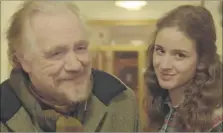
131	5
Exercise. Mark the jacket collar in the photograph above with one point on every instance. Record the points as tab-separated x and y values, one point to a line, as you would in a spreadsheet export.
96	113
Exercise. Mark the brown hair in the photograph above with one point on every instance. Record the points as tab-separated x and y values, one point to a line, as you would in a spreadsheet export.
204	94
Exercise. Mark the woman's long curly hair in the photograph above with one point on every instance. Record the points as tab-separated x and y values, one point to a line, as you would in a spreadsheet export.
204	94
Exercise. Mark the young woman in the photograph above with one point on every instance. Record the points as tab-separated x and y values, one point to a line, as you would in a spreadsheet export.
184	75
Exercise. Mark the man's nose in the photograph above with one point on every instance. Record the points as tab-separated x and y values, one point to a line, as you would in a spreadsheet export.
72	63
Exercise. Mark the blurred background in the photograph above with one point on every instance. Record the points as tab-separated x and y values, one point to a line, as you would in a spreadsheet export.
120	34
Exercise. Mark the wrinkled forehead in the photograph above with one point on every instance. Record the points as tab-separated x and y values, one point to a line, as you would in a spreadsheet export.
43	24
55	28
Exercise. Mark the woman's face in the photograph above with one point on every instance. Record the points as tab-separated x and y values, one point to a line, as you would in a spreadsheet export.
174	58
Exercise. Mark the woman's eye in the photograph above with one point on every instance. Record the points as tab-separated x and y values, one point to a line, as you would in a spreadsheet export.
180	56
159	51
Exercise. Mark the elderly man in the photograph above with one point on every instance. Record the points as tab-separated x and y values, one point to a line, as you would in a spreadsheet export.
52	87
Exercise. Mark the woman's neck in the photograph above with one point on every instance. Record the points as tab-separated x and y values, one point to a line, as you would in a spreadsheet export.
177	96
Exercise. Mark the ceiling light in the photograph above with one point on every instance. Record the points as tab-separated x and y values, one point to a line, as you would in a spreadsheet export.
131	5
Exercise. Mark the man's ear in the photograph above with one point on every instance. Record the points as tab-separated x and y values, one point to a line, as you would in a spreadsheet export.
24	62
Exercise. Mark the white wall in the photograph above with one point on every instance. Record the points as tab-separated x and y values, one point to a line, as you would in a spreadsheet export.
99	35
107	9
7	9
154	10
213	7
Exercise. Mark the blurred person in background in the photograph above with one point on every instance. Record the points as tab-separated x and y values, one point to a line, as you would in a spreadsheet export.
184	74
52	87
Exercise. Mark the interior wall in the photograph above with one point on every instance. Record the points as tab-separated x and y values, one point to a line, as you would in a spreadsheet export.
214	7
99	35
7	9
125	35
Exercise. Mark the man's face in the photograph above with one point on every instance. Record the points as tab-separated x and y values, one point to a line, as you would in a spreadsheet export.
61	68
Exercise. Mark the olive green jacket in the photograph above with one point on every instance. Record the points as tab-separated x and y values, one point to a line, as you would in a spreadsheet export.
112	107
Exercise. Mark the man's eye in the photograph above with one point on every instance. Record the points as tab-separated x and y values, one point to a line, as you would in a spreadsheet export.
56	54
81	49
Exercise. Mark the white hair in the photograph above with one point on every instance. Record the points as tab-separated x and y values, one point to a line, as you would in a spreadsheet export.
20	35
